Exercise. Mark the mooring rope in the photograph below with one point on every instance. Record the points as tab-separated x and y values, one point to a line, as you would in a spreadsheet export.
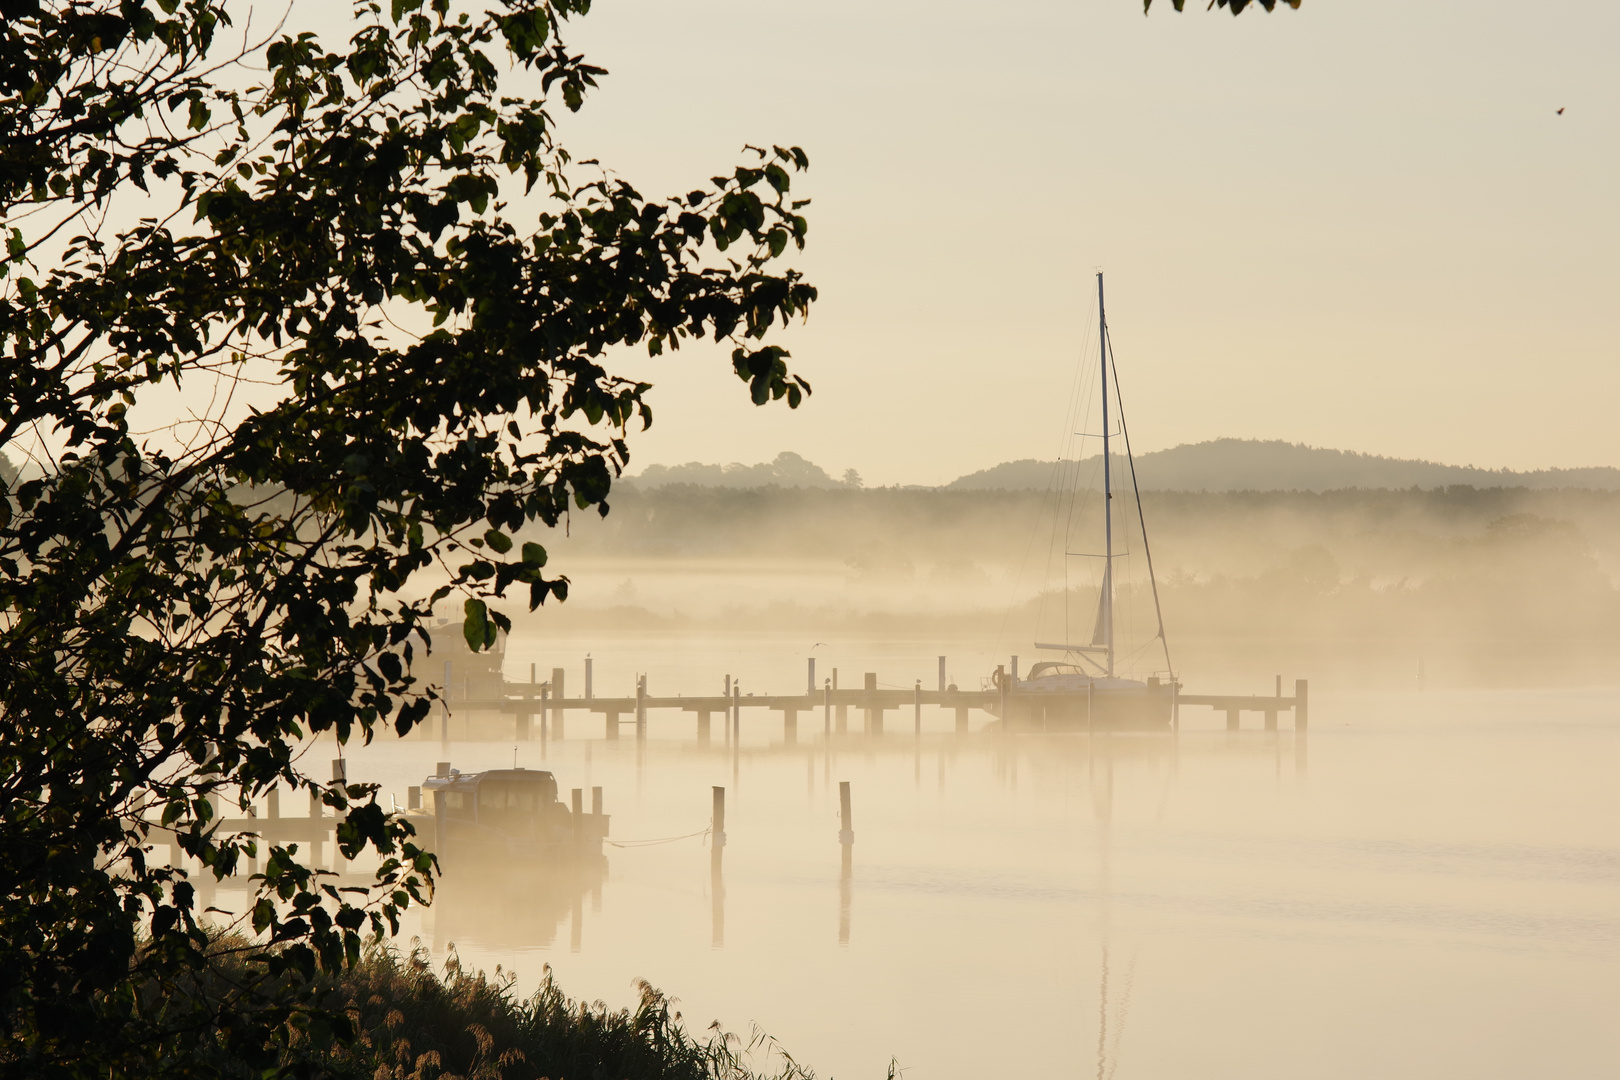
659	840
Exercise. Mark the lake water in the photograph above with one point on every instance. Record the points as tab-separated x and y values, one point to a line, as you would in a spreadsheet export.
1430	886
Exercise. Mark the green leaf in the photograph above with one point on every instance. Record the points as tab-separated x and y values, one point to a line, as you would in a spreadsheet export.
476	627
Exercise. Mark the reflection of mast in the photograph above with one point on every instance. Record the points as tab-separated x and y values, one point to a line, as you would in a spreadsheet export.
717	883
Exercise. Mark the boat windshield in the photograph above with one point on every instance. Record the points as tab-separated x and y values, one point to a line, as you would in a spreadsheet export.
1054	668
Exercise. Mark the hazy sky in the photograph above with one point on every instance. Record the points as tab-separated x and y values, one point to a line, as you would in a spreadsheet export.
1361	224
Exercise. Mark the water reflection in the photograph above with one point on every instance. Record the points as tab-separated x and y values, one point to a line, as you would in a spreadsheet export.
517	907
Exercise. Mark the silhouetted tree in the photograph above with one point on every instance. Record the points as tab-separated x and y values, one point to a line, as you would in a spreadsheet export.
283	327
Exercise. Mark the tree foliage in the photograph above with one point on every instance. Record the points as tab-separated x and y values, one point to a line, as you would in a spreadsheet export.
286	331
1236	6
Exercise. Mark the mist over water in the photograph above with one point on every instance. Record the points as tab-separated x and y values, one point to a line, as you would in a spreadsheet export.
1426	883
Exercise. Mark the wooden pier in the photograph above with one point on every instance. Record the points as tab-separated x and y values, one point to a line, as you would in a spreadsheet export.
547	702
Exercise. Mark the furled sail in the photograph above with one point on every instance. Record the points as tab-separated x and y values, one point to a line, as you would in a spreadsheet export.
1102	634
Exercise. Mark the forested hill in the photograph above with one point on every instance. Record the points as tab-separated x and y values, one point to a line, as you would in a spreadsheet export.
1255	465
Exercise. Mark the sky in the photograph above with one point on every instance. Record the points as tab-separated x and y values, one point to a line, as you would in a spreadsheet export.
1362	224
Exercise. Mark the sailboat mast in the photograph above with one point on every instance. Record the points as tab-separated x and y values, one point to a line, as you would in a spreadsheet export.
1108	488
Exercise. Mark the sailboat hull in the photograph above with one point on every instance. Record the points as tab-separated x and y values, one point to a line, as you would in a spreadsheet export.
1106	705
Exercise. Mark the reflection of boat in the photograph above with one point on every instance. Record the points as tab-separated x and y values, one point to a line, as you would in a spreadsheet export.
508	818
1083	690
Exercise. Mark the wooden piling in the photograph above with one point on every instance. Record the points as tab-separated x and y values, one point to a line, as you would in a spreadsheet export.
846	830
874	713
596	801
558	694
717	823
942	674
826	705
444	709
641	708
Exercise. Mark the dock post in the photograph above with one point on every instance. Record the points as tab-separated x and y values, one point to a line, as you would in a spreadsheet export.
916	709
810	686
726	723
589	692
826	707
557	709
874	714
1302	688
438	826
846	828
596	801
736	714
1271	713
641	708
1001	685
717	825
942	674
444	709
577	801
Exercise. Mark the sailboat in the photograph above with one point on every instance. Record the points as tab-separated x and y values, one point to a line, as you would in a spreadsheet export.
1084	691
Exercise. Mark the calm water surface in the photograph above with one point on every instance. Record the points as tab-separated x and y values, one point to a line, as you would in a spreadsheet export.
1430	887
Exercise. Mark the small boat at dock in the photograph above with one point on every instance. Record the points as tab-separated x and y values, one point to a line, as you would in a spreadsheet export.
508	818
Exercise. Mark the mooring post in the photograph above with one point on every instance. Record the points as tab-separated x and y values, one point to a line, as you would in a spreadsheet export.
1302	693
557	709
942	674
545	693
596	801
641	708
717	825
826	708
874	714
846	830
810	686
589	690
444	709
726	723
1001	687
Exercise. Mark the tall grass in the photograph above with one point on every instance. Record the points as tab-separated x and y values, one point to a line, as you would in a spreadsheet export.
414	1023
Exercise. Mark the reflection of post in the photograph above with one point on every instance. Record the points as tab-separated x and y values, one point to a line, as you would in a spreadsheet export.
641	708
736	730
576	923
846	873
717	887
1302	694
578	800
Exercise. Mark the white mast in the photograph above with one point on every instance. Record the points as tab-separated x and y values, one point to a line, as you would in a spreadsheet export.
1105	609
